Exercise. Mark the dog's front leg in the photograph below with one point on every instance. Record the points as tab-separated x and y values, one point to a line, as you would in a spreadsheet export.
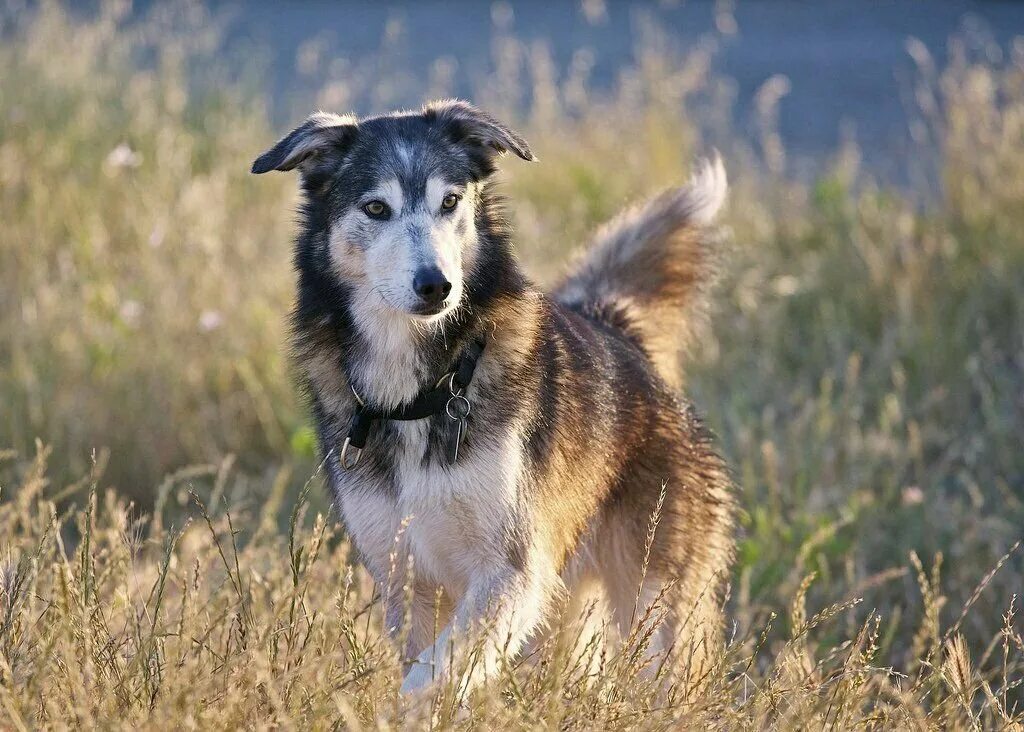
509	602
415	612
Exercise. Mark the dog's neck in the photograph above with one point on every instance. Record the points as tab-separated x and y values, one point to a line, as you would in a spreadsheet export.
392	358
387	357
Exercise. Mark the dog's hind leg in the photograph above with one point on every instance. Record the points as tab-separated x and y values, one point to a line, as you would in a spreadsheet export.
693	627
661	618
663	556
582	633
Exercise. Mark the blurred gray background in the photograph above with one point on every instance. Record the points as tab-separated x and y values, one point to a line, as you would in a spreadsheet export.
846	61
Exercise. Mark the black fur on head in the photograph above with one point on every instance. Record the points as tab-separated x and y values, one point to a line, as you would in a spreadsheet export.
477	131
407	160
318	144
324	139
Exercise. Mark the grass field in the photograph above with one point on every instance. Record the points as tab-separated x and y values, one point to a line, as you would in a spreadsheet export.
162	564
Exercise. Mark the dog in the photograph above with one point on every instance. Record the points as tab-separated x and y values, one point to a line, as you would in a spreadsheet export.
515	444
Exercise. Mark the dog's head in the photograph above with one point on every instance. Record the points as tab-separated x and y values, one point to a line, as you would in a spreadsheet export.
395	199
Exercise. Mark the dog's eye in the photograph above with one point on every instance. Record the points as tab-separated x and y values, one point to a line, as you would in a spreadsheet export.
377	210
449	202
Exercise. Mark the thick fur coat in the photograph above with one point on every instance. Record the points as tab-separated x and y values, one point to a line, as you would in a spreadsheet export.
578	432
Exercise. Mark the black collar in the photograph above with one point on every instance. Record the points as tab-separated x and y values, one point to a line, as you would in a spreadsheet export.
447	397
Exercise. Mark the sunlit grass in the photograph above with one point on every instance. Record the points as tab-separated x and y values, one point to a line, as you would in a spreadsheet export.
864	371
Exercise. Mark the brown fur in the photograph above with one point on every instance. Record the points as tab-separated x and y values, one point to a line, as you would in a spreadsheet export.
654	264
578	427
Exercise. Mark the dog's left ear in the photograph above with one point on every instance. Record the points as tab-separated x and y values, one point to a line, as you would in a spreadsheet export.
468	125
315	139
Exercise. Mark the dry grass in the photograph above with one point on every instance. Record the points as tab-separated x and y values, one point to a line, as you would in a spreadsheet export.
188	627
865	372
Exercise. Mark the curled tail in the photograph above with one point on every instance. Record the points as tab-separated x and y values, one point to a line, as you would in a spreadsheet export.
651	266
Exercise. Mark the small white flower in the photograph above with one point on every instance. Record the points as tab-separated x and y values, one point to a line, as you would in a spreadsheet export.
131	311
786	285
210	320
156	236
912	496
123	156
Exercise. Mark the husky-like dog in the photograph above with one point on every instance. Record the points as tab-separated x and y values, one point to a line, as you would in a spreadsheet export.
514	443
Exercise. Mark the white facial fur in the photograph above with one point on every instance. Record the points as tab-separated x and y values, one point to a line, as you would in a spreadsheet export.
380	258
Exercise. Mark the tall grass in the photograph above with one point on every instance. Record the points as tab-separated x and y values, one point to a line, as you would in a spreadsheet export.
864	371
145	277
189	627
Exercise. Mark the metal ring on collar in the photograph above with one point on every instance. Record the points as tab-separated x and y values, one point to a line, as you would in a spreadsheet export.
457	398
344	457
450	378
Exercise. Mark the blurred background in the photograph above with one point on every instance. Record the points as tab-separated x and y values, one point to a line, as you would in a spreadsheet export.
864	368
844	71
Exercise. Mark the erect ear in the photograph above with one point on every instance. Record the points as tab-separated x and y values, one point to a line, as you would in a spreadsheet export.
320	135
471	126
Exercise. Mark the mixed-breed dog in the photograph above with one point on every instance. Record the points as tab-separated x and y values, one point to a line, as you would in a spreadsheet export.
525	452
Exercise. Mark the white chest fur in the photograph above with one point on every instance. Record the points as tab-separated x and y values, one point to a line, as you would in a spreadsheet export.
451	519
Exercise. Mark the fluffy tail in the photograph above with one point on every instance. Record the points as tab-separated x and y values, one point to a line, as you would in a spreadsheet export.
649	269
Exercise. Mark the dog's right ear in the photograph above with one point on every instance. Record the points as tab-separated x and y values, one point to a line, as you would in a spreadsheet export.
321	136
478	131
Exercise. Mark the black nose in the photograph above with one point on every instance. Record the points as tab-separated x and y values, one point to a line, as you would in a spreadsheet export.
431	285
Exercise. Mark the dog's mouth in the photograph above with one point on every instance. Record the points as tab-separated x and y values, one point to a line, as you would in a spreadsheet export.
429	311
420	313
435	312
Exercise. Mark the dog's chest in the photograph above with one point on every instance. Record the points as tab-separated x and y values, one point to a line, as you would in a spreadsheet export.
449	517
